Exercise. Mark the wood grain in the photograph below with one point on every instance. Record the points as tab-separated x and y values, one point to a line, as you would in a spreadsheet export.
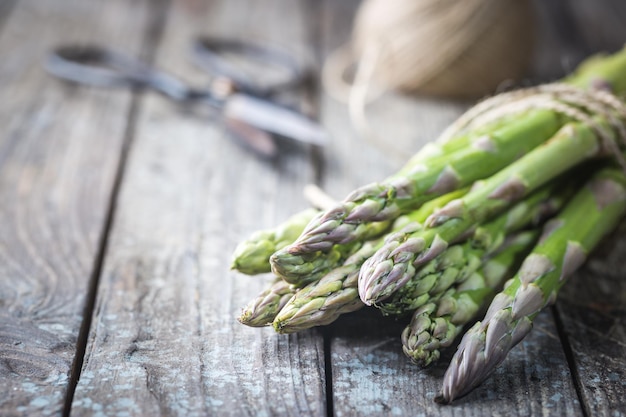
59	153
372	376
165	339
592	310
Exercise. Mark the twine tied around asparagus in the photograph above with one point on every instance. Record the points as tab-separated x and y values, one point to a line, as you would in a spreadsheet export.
582	105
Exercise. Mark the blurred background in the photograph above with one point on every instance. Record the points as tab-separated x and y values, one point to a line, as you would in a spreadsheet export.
120	207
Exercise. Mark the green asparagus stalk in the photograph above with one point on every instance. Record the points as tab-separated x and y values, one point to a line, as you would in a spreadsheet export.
396	262
566	241
322	302
439	175
288	264
302	269
436	324
436	175
455	264
450	141
263	308
252	255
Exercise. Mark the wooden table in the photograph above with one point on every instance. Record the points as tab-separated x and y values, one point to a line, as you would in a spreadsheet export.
119	212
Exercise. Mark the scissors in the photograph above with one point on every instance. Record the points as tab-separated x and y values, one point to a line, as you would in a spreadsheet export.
247	106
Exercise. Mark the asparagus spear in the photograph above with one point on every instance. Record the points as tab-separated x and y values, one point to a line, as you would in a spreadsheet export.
459	261
299	269
439	175
322	302
302	269
593	212
396	262
437	323
289	263
264	307
463	165
252	255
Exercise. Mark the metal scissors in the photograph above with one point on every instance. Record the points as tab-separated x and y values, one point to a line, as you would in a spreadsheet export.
246	105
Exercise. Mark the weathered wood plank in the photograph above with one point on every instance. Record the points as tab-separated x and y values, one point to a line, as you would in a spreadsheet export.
591	308
370	374
165	340
59	152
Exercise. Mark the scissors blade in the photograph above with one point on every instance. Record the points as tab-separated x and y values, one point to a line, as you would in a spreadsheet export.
258	140
264	115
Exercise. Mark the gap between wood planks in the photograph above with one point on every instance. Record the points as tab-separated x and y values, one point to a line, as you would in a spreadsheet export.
327	334
313	91
150	44
571	361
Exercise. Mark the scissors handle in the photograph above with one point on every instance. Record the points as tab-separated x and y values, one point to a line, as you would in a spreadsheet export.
241	101
211	55
102	67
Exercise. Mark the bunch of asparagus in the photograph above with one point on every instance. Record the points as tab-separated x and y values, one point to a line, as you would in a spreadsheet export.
493	218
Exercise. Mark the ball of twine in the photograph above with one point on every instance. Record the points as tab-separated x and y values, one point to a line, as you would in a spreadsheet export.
456	48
